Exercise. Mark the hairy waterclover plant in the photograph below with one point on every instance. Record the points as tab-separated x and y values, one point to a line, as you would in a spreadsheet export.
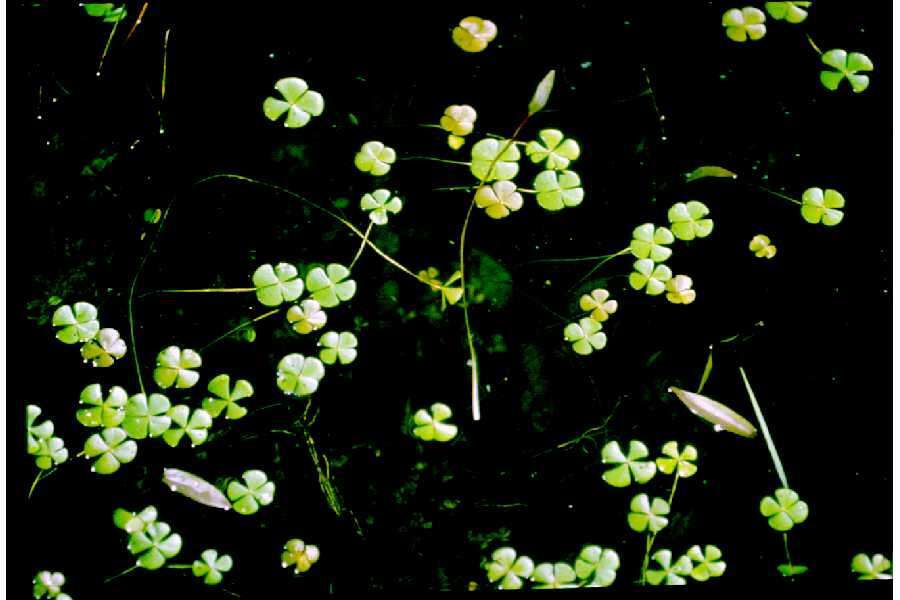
762	246
175	366
669	573
558	190
585	336
627	466
278	284
875	567
508	569
133	523
109	412
649	276
792	12
459	121
597	566
195	425
154	544
299	375
375	158
302	556
225	397
256	491
36	433
474	33
673	459
599	304
378	204
678	290
330	286
553	148
784	510
210	566
338	347
819	206
499	153
307	317
50	585
847	67
742	23
646	515
554	576
449	295
299	102
106	11
688	222
105	348
77	325
146	416
430	426
706	563
112	448
499	199
651	243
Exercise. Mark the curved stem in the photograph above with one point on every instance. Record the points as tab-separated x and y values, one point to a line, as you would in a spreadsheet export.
41	475
813	44
605	260
779	194
362	246
125	572
241	326
440	160
565	260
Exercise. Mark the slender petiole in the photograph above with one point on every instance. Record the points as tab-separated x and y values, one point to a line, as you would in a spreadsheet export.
432	158
200	291
123	573
362	245
604	260
779	194
241	326
109	40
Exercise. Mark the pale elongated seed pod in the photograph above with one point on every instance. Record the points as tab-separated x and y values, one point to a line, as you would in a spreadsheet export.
195	488
722	417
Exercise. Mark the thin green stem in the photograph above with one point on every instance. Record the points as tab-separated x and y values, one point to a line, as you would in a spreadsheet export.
605	260
787	553
241	326
136	22
123	573
651	538
779	194
109	40
200	291
180	566
40	475
707	369
431	126
765	431
362	245
565	260
435	159
813	44
454	188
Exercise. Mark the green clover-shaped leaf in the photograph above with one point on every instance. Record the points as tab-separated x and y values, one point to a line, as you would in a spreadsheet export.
51	451
819	206
278	284
785	510
430	426
338	347
459	119
154	544
553	576
36	433
473	34
742	23
585	336
196	425
78	325
307	317
651	243
299	102
706	562
211	566
648	515
762	246
256	491
599	304
847	67
224	397
49	584
678	290
375	158
673	459
379	204
649	276
105	348
597	566
688	222
298	375
112	448
302	556
507	569
449	295
330	286
553	148
105	11
499	199
175	366
145	416
627	466
670	574
874	567
134	522
487	152
792	12
108	412
557	190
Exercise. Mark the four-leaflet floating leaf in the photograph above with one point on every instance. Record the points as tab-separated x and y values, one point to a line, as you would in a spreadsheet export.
299	375
278	284
430	424
847	66
299	102
256	491
507	570
175	366
742	23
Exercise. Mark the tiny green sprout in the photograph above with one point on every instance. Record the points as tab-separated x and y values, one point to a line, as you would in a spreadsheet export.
678	290
599	304
597	566
50	584
474	33
225	397
585	336
742	23
330	286
651	243
553	148
646	515
175	366
874	567
50	452
299	375
554	576
819	206
792	12
542	93
146	416
196	425
36	433
299	102
847	67
338	347
688	222
375	158
108	412
430	426
210	566
459	121
299	554
627	466
256	491
105	11
152	216
762	246
706	563
487	152
649	276
670	574
673	459
307	317
508	569
379	204
155	544
449	295
103	350
558	190
499	199
789	569
133	523
278	284
111	448
77	325
785	510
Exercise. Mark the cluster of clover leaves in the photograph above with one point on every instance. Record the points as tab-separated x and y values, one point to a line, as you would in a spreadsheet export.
49	585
